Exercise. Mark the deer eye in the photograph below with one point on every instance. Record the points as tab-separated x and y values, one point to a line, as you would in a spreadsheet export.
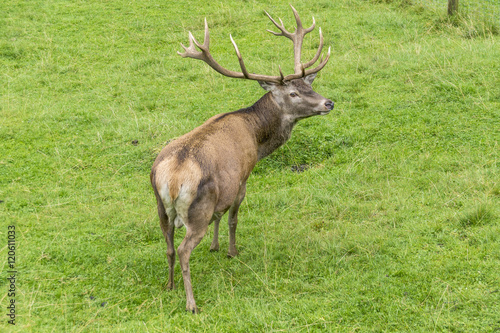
292	94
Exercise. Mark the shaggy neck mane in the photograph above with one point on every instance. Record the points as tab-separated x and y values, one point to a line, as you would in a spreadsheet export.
270	125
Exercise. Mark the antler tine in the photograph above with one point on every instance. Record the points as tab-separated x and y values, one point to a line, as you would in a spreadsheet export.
281	74
299	22
303	72
206	39
297	38
283	32
297	18
240	58
318	53
322	64
191	51
311	28
204	54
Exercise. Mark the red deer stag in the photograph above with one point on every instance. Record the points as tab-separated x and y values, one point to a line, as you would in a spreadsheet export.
203	174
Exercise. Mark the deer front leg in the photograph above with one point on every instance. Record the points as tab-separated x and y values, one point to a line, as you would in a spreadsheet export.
233	221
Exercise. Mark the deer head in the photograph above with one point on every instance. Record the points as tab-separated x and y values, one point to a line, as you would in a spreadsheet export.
297	99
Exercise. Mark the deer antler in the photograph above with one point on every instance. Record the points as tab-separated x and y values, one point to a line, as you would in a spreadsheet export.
297	38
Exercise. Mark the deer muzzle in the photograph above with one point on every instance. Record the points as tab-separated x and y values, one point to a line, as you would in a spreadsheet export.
329	105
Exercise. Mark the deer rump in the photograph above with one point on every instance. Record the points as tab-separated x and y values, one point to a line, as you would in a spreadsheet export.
206	166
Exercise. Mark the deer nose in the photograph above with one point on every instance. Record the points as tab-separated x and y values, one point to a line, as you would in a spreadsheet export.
329	105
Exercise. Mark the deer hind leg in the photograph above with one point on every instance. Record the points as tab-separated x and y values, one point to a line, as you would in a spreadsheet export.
215	241
167	228
198	218
233	221
192	239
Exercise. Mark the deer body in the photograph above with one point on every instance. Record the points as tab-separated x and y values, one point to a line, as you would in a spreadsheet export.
200	176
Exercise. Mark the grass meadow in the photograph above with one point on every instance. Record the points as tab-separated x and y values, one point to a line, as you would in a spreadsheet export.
383	216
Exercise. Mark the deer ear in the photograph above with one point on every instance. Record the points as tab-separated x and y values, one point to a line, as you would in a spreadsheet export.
268	86
310	78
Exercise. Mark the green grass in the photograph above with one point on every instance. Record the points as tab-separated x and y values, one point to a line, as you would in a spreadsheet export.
393	225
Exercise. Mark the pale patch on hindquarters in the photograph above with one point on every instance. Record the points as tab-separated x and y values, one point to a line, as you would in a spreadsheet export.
177	187
177	210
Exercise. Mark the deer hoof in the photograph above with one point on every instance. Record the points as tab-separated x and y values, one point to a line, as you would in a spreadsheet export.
214	248
232	254
193	310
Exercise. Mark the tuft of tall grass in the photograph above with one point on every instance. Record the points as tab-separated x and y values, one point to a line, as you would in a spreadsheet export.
478	216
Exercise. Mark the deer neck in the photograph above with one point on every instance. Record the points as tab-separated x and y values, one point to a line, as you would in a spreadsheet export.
271	126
